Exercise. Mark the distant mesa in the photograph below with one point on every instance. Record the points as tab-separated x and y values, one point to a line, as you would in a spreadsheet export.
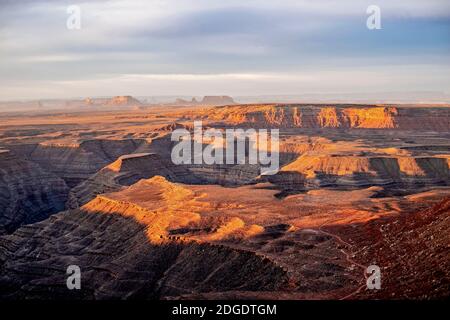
217	100
124	101
114	101
207	101
180	101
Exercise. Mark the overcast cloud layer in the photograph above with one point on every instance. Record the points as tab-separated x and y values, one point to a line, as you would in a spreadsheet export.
198	47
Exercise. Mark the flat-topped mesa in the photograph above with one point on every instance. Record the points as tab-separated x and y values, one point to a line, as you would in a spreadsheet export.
114	101
130	168
332	117
124	101
217	100
318	170
207	101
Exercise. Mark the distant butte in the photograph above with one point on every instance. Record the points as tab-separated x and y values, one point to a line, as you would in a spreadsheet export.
208	101
124	101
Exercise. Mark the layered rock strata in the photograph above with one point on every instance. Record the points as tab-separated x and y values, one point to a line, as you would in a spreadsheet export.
28	193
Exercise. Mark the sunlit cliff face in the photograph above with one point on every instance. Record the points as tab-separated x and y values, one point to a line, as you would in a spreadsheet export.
304	116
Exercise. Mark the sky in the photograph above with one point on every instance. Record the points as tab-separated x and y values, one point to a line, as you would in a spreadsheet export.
217	47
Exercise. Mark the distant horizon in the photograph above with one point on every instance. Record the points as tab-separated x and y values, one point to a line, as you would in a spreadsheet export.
428	97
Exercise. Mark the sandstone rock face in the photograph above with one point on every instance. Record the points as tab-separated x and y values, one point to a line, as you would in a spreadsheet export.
75	163
397	168
125	171
27	193
335	117
129	169
312	170
225	175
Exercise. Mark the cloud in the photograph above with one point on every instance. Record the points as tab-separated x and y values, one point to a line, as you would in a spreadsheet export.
337	80
164	38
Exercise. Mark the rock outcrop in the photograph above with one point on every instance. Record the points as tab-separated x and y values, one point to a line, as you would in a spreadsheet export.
313	170
125	250
75	163
125	171
225	175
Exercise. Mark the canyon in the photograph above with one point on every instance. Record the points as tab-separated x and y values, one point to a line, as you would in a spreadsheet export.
357	185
